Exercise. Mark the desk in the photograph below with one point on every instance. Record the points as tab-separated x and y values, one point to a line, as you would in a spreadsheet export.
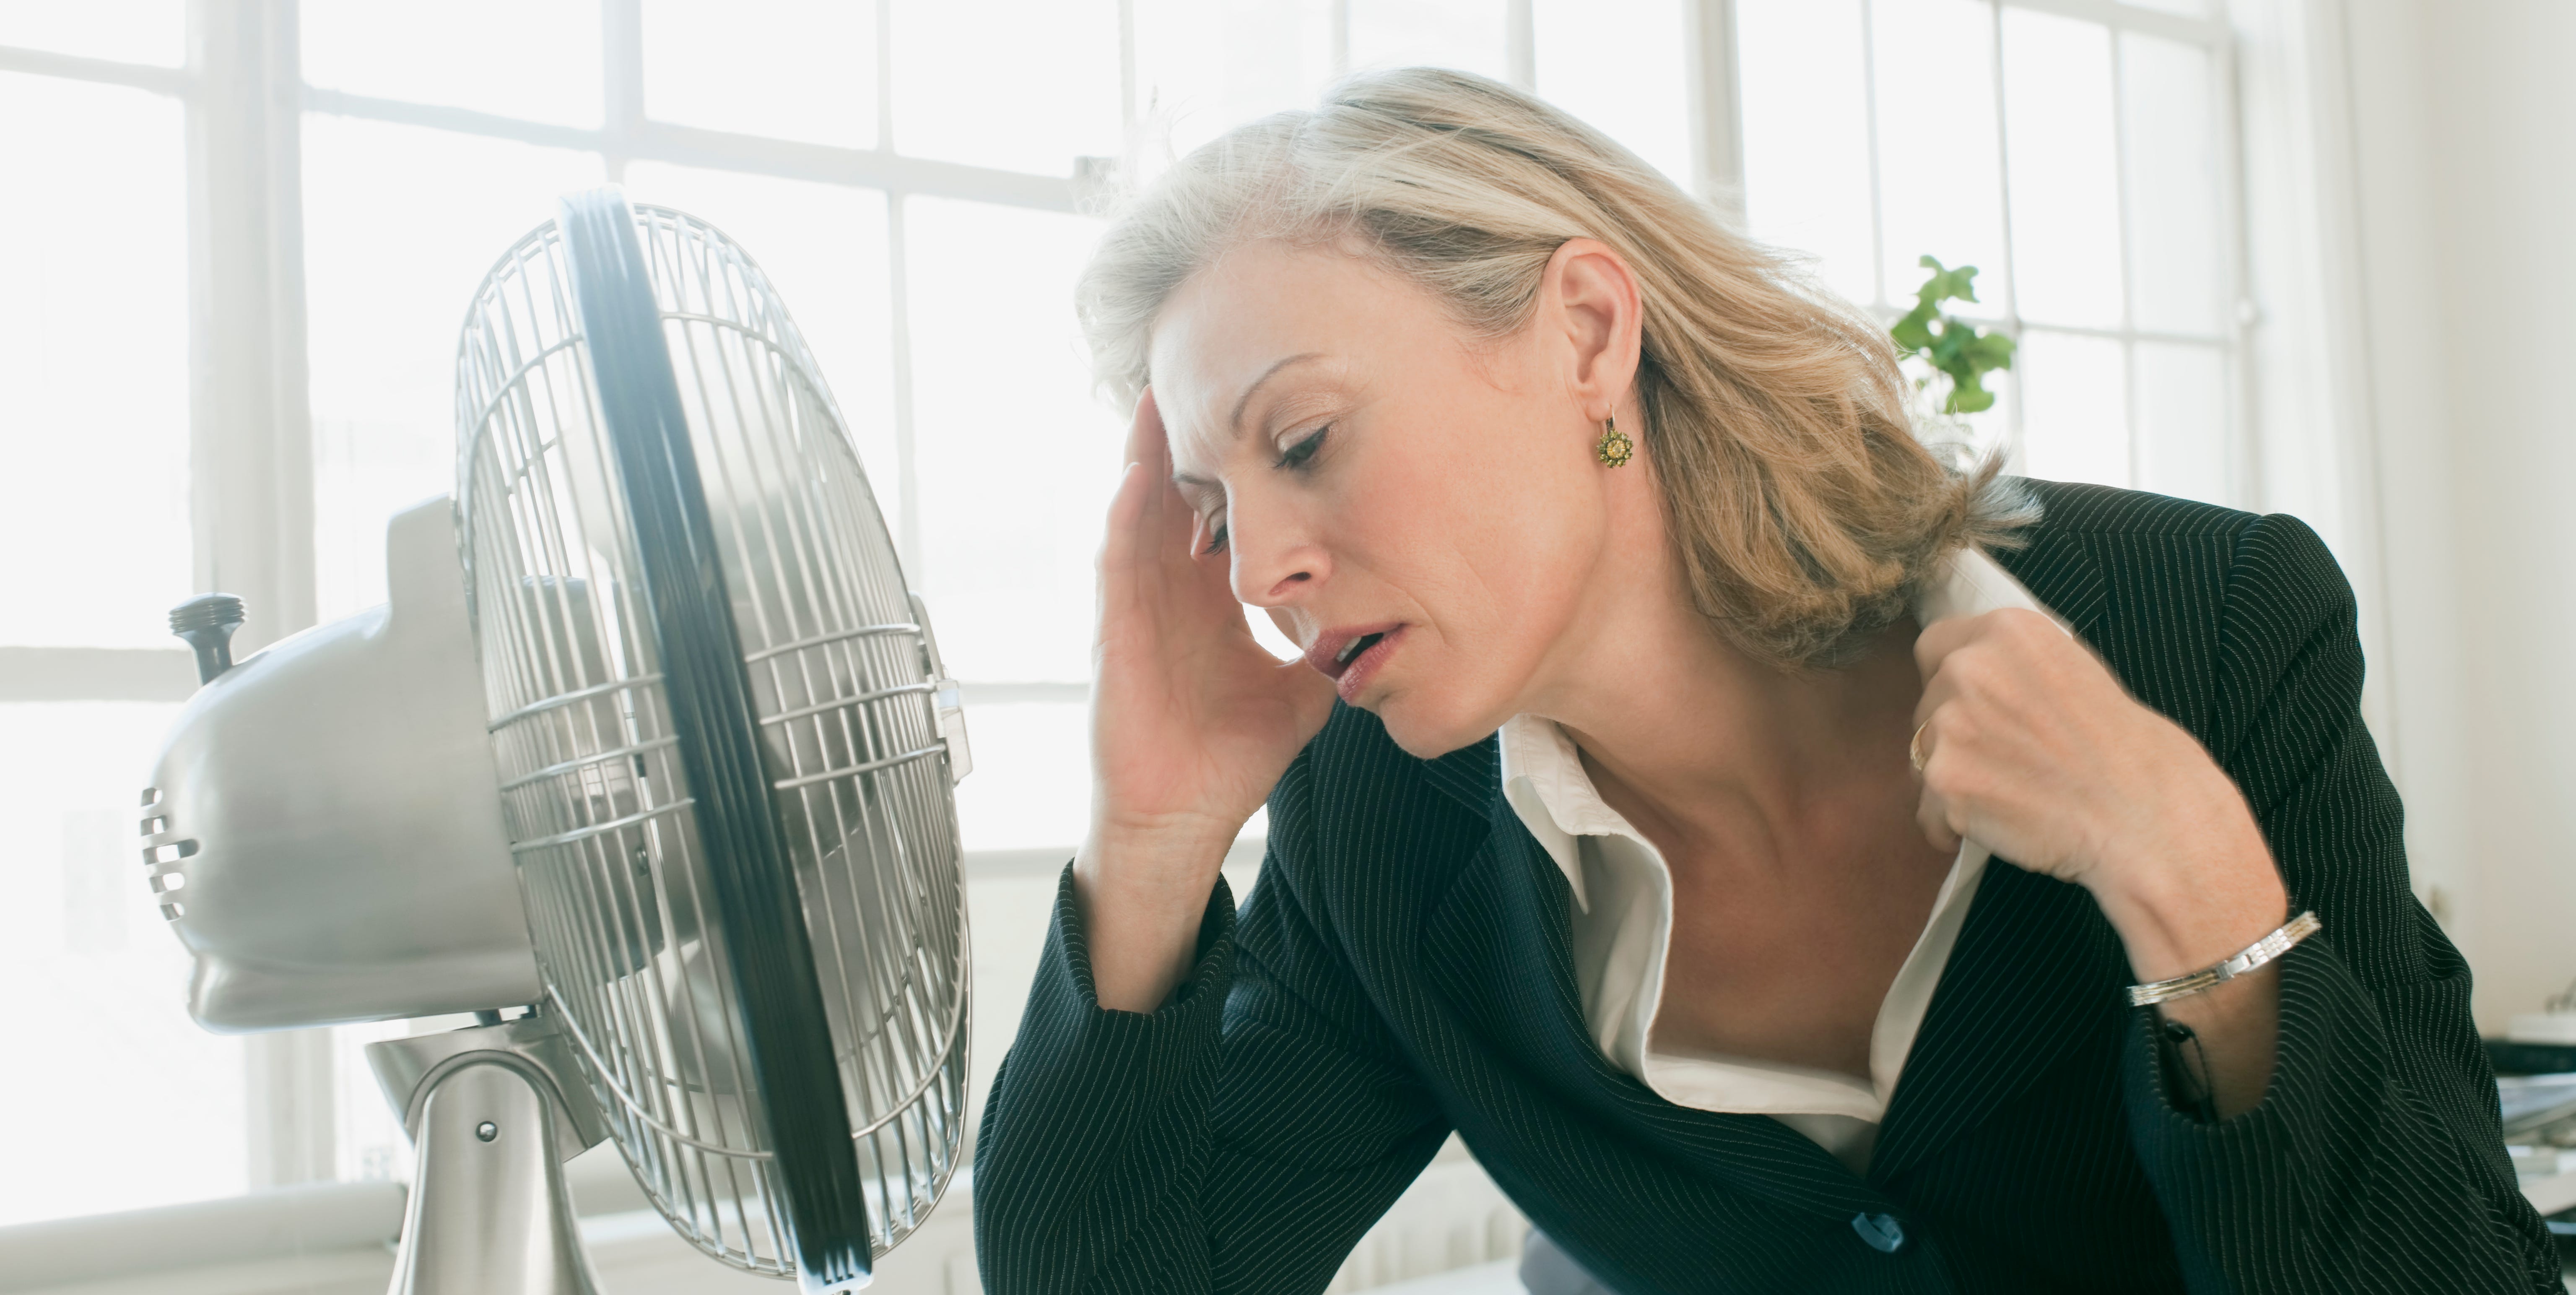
2550	1193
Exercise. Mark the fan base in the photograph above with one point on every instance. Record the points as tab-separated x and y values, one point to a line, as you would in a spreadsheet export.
489	1213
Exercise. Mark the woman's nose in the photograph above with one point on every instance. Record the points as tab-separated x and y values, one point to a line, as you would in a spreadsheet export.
1274	565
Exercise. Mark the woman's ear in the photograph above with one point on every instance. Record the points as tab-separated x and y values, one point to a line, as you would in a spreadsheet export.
1590	296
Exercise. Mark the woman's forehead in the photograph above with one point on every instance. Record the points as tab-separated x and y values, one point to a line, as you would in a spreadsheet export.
1265	315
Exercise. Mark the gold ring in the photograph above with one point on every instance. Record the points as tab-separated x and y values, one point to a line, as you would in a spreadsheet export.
1914	745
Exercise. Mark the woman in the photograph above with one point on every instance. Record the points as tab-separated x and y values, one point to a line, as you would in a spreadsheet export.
1739	826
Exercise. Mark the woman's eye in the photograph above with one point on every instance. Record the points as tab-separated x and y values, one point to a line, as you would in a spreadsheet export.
1216	539
1297	455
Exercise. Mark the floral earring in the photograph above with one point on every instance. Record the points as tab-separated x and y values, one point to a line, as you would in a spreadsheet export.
1614	448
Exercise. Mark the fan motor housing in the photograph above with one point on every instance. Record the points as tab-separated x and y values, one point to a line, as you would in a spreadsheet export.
345	771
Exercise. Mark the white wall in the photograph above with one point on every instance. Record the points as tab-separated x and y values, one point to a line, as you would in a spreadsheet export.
2464	165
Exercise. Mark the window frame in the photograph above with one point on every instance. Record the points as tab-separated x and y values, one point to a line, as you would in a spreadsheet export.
250	435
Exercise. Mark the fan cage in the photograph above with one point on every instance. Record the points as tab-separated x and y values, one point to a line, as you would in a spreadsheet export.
619	902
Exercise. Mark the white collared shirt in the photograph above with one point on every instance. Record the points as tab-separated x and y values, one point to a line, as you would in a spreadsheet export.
1623	921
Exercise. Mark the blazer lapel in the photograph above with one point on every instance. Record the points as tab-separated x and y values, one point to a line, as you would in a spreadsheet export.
1499	948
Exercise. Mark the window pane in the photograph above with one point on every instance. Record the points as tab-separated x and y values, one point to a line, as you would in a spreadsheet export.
2182	421
1806	137
1939	172
535	59
2065	182
368	1141
1202	68
1466	34
2075	424
93	366
1016	459
824	248
126	31
2175	228
149	1110
2187	8
400	225
1031	788
1027	86
1618	64
795	69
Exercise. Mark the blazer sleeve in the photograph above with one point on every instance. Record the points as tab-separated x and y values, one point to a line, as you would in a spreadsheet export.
1239	1139
2375	1160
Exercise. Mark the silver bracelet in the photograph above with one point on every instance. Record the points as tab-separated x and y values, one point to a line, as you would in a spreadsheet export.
2207	978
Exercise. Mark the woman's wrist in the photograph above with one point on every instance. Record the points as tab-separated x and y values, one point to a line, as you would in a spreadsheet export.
2180	905
1142	890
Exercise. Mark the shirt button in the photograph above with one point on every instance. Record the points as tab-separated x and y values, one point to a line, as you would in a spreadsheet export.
1883	1233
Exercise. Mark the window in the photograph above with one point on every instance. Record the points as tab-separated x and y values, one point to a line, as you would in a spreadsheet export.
2076	152
140	1107
320	185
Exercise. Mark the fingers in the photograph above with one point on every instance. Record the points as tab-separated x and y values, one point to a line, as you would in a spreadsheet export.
1933	814
1941	638
1120	542
1146	441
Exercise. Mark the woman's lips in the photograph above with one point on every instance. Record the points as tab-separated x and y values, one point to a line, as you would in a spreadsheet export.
1350	655
1334	649
1364	667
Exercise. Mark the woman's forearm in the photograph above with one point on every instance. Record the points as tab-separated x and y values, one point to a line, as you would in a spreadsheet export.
2215	894
1142	898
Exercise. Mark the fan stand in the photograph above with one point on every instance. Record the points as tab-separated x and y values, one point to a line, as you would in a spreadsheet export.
493	1111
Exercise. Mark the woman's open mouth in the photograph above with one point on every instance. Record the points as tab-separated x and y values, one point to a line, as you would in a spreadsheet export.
1350	656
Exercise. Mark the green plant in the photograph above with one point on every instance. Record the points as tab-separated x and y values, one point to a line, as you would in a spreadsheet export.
1950	344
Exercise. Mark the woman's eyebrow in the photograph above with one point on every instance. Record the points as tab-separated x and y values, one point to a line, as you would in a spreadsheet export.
1234	422
1245	400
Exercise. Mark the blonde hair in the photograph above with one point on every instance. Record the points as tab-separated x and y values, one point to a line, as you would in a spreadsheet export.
1804	510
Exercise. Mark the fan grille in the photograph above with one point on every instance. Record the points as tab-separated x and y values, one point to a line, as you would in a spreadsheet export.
841	675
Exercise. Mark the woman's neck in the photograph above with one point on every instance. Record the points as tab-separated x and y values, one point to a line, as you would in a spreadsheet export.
1697	743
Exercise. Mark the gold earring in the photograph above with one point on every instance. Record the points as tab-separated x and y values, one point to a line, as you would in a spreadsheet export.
1614	448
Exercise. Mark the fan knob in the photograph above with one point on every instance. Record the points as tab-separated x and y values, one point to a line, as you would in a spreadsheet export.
207	622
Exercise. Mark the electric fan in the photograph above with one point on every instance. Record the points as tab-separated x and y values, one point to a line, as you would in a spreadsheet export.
650	740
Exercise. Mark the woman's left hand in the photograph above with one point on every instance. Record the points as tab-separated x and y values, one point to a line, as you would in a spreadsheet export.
2029	746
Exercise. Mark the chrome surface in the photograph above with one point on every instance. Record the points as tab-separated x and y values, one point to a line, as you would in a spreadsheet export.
323	828
861	732
488	1213
405	1069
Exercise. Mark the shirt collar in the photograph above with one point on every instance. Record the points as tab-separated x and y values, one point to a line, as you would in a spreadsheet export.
1543	777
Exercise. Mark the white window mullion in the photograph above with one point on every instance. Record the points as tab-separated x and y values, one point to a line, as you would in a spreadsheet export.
1520	44
621	83
2119	16
907	479
2120	171
1716	105
251	428
96	674
2245	459
38	62
251	449
1869	110
907	540
2011	303
1127	79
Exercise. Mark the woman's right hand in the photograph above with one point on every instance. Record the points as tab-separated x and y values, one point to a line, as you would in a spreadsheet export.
1192	722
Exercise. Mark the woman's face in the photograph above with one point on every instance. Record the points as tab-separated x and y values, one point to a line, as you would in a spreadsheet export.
1419	510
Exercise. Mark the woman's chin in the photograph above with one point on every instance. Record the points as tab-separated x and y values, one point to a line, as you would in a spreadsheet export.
1424	728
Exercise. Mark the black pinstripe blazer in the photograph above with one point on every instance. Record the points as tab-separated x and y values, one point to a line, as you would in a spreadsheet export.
1403	968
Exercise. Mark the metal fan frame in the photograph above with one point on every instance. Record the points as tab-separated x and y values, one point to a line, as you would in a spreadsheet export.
696	715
